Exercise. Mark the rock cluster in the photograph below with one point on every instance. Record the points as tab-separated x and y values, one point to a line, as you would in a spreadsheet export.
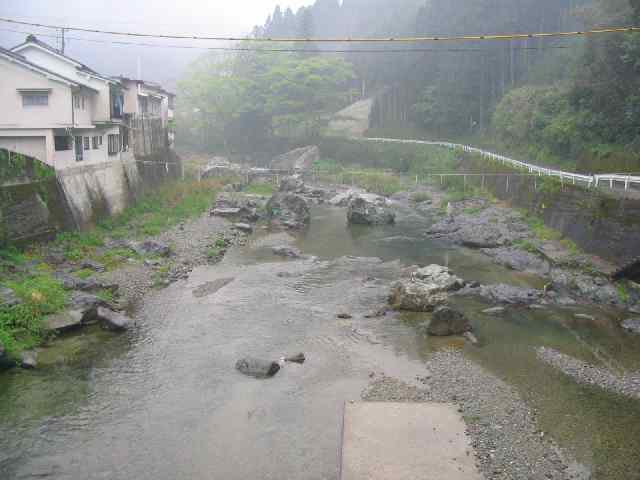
239	206
492	227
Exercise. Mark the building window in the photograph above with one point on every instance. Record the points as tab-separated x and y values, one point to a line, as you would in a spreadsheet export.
87	143
76	102
35	99
62	143
94	143
78	149
100	140
82	100
114	144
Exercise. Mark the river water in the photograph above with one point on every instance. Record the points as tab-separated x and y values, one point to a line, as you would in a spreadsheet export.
163	401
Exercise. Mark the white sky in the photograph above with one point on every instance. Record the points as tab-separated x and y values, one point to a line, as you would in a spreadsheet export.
166	65
227	17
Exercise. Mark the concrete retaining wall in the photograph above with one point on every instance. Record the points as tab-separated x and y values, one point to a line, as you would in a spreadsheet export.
78	196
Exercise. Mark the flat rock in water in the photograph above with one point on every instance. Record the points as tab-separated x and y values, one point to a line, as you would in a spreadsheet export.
299	358
286	251
631	325
29	359
64	321
243	227
494	310
254	367
112	320
212	287
506	294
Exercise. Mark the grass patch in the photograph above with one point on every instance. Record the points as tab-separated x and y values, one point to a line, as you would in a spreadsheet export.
526	245
21	326
84	273
106	295
264	189
623	292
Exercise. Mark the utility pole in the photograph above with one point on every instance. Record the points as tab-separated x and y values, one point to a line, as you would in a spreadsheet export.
62	30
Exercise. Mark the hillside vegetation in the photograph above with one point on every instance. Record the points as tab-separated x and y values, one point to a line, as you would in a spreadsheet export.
571	102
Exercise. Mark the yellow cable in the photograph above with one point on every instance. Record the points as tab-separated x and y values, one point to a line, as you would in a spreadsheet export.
514	36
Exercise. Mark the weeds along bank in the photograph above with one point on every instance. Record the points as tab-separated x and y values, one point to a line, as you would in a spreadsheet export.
33	279
596	221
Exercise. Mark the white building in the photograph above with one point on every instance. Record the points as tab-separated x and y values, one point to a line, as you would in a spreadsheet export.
57	109
65	114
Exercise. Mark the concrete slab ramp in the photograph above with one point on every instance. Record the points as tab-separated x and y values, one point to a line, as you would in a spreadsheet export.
405	441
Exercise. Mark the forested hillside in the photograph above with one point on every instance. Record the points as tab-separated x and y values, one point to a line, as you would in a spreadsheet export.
567	101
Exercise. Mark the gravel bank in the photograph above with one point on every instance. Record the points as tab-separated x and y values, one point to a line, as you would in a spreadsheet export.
626	384
502	427
189	241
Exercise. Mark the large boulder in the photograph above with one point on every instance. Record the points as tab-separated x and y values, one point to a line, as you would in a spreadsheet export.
365	210
112	320
289	210
298	159
428	288
447	321
257	368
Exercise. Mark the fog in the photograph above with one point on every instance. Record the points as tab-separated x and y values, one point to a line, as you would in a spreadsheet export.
165	65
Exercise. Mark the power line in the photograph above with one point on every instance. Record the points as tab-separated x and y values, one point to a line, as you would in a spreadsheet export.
280	50
513	36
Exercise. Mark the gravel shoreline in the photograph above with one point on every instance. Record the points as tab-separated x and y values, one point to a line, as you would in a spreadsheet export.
627	384
503	430
189	243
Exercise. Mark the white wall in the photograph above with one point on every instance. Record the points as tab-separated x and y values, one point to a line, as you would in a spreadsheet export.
67	159
13	115
100	102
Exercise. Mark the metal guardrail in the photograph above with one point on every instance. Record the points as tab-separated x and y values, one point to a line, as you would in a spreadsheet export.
611	180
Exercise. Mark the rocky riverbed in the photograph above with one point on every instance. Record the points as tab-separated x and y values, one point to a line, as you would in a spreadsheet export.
305	280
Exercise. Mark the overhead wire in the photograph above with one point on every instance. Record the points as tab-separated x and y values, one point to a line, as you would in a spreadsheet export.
277	50
416	39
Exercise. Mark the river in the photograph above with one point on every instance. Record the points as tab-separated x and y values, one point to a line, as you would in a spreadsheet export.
163	401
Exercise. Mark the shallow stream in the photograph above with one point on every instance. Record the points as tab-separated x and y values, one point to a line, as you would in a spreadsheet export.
163	401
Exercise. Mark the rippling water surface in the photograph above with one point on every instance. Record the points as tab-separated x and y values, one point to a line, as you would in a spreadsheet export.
163	401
